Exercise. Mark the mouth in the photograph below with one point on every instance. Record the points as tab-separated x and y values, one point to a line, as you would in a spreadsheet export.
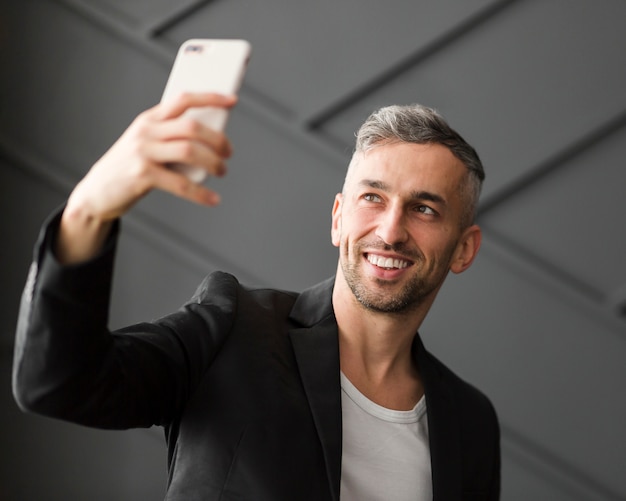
387	263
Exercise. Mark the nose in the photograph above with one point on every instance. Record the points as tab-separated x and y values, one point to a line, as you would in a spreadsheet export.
391	227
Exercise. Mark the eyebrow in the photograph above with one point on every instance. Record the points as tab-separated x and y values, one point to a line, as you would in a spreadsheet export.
414	195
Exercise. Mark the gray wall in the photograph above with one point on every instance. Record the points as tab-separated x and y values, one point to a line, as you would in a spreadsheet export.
539	323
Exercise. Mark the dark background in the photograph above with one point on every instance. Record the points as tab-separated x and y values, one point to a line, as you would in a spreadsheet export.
539	322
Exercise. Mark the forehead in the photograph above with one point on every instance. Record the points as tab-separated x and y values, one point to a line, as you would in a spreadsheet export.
408	167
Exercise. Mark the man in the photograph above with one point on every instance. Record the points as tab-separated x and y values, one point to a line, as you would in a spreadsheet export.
265	394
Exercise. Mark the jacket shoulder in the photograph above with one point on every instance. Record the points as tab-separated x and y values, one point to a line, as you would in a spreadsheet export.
224	291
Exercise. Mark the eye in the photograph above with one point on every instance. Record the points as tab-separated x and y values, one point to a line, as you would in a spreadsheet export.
424	209
371	197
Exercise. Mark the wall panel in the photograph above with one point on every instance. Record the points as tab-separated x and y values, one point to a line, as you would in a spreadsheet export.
537	86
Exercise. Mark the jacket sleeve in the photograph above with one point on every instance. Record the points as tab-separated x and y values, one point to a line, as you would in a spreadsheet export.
68	365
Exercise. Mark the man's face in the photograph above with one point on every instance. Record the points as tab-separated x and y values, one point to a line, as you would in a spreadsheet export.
397	225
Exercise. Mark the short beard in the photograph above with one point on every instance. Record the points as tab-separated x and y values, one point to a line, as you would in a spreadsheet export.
406	300
409	298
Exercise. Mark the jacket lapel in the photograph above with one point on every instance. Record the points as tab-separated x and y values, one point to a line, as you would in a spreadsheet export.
316	346
443	428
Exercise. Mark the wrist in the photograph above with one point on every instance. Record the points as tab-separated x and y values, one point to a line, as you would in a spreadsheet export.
81	234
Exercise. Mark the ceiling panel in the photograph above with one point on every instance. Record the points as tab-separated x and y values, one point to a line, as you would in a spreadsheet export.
573	217
274	219
523	80
142	12
518	87
138	256
82	92
94	91
525	477
307	55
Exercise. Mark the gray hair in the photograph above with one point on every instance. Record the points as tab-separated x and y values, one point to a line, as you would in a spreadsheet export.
422	125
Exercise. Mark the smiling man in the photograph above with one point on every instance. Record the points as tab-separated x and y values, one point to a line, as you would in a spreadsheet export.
403	221
402	200
263	394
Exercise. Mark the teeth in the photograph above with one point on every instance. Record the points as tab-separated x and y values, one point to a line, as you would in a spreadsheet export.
383	262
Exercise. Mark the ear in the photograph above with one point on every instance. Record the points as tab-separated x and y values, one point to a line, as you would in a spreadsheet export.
335	231
466	250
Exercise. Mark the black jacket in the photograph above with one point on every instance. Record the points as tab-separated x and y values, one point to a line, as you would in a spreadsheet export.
244	381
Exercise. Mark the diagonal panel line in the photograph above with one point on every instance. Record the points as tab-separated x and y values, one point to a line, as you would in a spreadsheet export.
110	25
157	26
318	119
533	267
556	161
561	276
251	100
188	253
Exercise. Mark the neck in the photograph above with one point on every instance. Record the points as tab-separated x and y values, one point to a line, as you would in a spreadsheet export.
377	332
375	349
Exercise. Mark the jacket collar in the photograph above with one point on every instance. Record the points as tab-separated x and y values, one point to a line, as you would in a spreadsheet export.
315	342
314	304
444	426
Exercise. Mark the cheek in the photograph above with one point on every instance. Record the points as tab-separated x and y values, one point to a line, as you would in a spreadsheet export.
437	246
447	253
359	221
351	226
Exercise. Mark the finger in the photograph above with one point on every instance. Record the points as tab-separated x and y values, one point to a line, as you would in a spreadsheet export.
186	152
192	130
179	185
178	105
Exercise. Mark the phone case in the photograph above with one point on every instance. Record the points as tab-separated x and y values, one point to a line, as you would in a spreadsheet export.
207	65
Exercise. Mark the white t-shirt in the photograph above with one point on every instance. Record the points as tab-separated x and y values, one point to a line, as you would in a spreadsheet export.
386	455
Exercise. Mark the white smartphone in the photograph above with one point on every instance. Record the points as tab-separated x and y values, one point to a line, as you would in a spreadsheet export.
207	65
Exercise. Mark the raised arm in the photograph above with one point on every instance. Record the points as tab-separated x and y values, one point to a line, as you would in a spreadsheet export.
135	165
67	363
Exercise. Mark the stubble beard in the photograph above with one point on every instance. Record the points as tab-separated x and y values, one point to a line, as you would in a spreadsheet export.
386	299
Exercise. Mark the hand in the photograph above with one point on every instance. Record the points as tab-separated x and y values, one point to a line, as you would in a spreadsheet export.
136	164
